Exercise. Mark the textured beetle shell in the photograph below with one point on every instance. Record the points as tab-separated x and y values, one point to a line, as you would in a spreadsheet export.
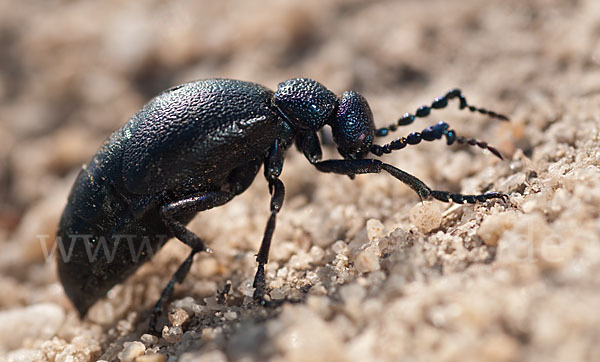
307	102
198	129
192	138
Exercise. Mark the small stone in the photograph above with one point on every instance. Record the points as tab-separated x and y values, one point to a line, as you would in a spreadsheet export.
209	334
300	261
312	277
317	254
230	315
149	339
277	294
246	287
318	290
178	316
426	216
131	350
374	229
188	304
340	247
365	262
172	334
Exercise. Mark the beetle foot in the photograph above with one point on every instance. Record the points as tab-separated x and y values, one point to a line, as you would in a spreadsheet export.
261	295
446	196
260	285
152	325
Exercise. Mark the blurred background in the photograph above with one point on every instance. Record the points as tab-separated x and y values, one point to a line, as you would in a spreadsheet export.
72	72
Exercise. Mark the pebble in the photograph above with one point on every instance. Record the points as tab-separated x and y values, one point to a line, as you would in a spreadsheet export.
426	216
246	287
276	294
374	229
149	339
178	316
230	315
366	261
188	304
131	351
317	254
340	247
172	334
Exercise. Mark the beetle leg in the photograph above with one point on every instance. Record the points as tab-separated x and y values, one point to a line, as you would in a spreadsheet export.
310	145
351	167
273	167
174	211
170	212
178	277
277	194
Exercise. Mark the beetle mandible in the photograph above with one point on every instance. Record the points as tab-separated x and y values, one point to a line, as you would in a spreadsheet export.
198	145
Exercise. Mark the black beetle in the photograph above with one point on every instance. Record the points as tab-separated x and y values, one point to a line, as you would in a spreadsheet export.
197	146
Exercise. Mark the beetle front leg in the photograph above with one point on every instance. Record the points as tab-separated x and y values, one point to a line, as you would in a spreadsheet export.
170	213
351	167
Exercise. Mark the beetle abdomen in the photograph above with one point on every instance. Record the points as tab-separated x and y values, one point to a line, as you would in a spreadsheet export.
102	242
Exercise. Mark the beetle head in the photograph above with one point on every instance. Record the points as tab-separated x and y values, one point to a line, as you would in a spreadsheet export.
353	127
305	102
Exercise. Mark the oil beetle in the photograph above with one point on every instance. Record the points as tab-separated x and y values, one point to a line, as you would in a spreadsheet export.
198	145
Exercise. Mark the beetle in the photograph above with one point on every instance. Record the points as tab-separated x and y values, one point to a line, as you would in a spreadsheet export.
198	145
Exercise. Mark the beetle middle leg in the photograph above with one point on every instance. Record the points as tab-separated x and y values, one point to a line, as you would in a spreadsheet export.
170	214
277	194
273	167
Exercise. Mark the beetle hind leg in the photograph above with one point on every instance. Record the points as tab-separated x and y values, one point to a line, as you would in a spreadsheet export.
171	214
178	277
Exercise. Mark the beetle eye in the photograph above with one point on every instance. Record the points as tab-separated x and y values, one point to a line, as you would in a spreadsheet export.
353	127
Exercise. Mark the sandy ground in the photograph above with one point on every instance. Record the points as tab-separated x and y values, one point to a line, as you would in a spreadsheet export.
381	276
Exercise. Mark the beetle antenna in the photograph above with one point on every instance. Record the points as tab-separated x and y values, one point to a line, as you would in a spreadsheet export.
432	133
438	103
